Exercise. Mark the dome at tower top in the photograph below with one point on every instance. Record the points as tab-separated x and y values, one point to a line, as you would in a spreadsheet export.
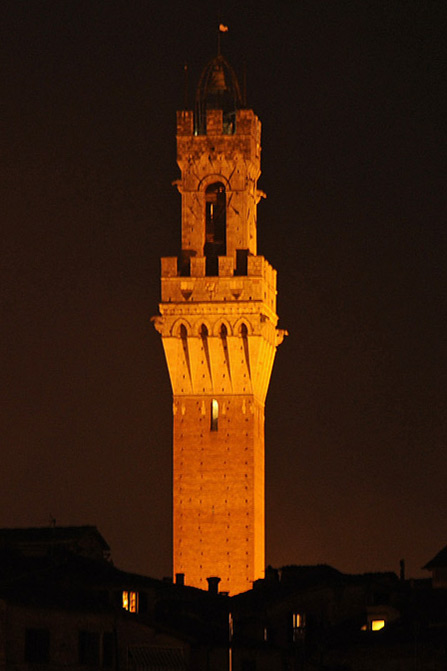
218	88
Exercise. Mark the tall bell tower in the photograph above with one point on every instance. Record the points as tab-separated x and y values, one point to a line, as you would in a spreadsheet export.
218	326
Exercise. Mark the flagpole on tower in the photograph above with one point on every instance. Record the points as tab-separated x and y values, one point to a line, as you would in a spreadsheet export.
222	29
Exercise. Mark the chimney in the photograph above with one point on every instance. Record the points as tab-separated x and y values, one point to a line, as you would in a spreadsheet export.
271	574
402	569
213	585
180	579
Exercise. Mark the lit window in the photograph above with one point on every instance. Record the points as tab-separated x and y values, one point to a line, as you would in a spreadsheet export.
130	601
298	620
298	626
214	414
377	625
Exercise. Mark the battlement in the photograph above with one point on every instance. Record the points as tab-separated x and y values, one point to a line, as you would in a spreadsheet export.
246	123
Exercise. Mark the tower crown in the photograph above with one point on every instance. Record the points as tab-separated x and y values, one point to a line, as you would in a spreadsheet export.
218	89
218	153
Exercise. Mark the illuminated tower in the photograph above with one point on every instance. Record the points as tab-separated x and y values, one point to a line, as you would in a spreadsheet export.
218	326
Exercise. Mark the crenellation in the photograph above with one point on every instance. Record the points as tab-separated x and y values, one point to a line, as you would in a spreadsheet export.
198	266
214	122
185	122
226	266
169	266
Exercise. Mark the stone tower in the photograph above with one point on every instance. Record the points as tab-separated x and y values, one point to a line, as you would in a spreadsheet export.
218	326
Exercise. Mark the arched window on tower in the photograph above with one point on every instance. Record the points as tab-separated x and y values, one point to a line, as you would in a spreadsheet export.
214	415
215	226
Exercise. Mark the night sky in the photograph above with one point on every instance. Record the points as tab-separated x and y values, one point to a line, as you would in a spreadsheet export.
351	96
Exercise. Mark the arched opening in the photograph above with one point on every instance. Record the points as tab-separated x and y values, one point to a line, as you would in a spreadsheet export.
215	226
214	415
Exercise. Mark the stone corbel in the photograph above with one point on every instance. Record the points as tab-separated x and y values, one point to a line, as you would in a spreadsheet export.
179	184
280	335
158	323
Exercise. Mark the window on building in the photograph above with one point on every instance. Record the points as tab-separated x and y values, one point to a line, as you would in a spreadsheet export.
214	414
374	625
37	646
108	649
130	601
298	626
88	648
96	649
298	620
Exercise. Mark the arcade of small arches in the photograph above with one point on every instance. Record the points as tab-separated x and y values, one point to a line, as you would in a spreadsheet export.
221	329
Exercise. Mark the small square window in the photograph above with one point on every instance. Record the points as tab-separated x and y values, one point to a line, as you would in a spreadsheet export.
130	601
298	626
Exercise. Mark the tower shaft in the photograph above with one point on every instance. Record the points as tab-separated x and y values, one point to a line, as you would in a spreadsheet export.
218	325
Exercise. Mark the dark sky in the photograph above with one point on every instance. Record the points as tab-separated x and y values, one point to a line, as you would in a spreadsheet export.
352	100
